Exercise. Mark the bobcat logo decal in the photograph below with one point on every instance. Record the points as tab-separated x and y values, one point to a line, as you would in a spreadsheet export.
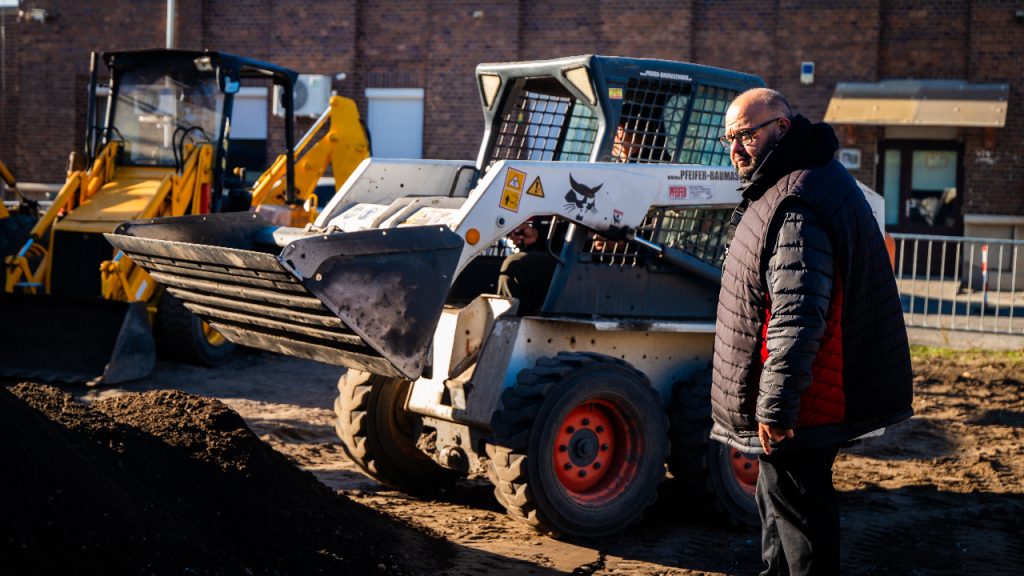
580	197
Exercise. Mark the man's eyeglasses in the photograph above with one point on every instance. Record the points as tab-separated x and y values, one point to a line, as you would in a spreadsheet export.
746	137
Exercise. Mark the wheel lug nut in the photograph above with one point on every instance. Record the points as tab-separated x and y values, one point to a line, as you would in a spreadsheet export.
570	430
568	466
597	465
604	447
599	429
583	473
563	448
586	421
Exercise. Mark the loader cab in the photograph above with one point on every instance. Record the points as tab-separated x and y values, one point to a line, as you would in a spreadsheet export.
606	109
164	101
153	108
163	105
623	110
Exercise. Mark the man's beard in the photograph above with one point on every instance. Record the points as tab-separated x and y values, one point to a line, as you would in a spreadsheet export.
756	161
746	173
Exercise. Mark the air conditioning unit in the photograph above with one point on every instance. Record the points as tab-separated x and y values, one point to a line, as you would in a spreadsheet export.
312	95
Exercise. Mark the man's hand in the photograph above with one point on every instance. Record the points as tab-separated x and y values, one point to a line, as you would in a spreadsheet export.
524	235
768	434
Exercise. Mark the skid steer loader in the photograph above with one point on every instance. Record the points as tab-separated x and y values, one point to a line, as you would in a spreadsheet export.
571	410
76	311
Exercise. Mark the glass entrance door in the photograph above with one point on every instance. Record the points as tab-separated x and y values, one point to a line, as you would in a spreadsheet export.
921	182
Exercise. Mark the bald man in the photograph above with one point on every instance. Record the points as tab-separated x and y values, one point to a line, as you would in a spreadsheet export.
811	349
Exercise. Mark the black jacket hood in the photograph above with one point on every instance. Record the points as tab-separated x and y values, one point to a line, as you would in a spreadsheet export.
805	145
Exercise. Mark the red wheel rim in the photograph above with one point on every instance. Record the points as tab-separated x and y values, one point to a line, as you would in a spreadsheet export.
596	452
744	468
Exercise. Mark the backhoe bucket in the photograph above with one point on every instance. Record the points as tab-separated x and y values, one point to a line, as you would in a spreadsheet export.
368	300
74	339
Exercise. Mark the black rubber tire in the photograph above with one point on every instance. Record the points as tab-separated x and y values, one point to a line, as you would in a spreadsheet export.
14	231
380	436
704	474
542	405
180	335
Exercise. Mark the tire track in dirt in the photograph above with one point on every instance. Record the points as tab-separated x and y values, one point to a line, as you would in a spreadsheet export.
940	494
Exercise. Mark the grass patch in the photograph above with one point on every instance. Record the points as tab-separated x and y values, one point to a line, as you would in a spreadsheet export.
925	353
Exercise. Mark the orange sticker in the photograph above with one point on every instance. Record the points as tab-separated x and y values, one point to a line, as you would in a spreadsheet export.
513	191
510	199
515	179
536	189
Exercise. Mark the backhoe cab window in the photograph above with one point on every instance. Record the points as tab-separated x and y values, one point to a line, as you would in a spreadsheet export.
155	113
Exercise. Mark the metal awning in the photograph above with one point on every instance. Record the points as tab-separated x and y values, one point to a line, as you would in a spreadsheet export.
919	103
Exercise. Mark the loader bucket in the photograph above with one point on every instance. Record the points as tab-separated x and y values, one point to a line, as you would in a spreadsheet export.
74	339
368	300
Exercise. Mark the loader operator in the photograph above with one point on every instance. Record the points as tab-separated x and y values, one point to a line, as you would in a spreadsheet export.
526	275
811	348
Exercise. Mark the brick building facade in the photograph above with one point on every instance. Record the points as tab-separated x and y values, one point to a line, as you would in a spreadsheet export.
435	45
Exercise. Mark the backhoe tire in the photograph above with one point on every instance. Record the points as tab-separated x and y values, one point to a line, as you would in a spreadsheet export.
14	232
713	479
380	436
183	336
579	445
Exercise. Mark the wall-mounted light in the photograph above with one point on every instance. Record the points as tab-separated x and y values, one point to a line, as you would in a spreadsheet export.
807	72
39	15
1019	15
478	14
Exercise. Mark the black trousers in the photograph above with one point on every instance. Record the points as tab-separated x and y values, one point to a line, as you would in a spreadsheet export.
799	513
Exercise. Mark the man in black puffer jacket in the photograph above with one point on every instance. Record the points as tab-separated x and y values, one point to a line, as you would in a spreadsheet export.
811	350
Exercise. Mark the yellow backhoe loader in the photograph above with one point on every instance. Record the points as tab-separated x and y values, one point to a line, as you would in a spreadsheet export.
76	310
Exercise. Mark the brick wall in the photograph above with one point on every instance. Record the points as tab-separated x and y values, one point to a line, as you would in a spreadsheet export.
458	41
845	49
994	165
436	45
736	34
924	39
48	70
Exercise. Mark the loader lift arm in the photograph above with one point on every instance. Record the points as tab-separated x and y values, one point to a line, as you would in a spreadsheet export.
342	144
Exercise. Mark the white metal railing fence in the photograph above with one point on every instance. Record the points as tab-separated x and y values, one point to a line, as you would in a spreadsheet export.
961	283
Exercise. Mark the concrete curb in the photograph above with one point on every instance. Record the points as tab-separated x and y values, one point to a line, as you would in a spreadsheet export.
963	339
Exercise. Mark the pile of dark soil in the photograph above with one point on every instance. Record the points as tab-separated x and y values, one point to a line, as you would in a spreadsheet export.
165	482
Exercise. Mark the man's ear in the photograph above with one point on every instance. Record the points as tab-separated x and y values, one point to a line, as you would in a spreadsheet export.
785	124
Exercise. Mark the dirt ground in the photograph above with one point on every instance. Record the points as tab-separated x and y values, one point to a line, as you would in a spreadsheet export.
940	494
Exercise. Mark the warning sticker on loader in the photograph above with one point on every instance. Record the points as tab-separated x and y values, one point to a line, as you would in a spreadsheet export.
536	189
615	93
513	191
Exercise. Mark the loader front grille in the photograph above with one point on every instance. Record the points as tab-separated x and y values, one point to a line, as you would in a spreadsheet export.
77	256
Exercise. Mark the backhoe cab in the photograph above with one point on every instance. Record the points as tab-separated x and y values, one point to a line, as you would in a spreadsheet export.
161	151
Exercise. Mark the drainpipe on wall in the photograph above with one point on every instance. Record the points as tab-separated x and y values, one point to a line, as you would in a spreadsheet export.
170	24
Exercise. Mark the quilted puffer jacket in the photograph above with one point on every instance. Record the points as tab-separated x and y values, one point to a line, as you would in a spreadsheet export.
810	332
